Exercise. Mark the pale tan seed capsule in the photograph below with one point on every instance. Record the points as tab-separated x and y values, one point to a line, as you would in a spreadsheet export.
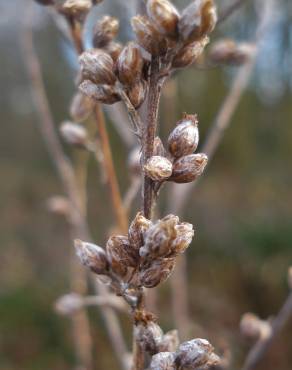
149	336
92	256
228	52
148	36
157	273
130	64
81	107
114	49
137	93
164	15
253	327
190	53
158	168
137	230
184	138
188	168
194	354
97	66
158	147
105	30
184	237
103	93
76	8
120	253
198	19
74	134
69	304
169	342
163	361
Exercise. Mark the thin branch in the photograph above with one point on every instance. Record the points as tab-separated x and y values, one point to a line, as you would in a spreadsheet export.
132	192
226	13
262	346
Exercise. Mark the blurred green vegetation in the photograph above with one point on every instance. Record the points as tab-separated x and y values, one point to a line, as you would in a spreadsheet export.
242	209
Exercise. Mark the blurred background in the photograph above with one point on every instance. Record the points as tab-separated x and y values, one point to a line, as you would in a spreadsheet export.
241	209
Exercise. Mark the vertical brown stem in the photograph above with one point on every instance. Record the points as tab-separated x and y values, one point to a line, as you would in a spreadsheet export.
111	174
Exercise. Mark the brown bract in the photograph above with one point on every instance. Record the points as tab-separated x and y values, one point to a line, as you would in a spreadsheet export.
130	64
105	30
188	168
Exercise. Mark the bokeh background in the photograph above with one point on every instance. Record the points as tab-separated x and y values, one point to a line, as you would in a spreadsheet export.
242	208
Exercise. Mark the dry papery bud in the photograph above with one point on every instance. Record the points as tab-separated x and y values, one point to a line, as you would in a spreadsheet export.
157	273
121	255
69	304
198	19
137	229
105	30
164	15
81	107
148	36
158	168
196	354
92	256
229	52
190	53
149	336
77	9
97	66
158	147
103	93
137	93
74	134
114	49
45	2
163	361
188	168
253	327
130	64
169	342
184	138
59	205
290	277
167	237
134	161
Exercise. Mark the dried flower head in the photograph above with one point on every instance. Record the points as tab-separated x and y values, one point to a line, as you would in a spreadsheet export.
169	341
105	30
190	53
229	52
92	256
164	15
163	361
81	107
103	93
149	336
158	168
198	19
69	304
188	168
74	134
137	93
130	64
137	230
77	9
157	273
184	138
114	49
253	327
148	36
97	66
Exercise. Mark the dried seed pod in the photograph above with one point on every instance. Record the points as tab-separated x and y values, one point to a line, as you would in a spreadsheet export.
105	30
184	237
81	107
130	64
228	52
92	256
253	327
77	9
120	254
149	336
164	15
74	134
97	66
137	229
193	354
184	138
157	273
163	361
69	304
148	36
188	168
158	147
103	93
190	53
169	342
137	93
158	168
45	2
59	205
114	49
198	19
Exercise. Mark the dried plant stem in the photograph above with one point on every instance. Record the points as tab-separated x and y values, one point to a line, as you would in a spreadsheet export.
230	10
66	174
111	178
261	347
76	35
